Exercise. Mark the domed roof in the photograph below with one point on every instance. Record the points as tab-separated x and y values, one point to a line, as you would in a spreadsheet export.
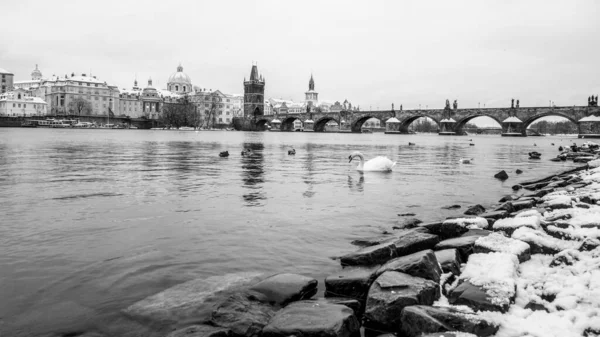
36	74
180	77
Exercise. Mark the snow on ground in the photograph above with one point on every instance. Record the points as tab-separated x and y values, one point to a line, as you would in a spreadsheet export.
531	212
542	239
511	223
477	222
495	273
497	242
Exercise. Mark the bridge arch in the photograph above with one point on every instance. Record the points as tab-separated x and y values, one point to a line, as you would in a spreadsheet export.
458	129
261	124
287	124
357	123
320	123
531	120
404	124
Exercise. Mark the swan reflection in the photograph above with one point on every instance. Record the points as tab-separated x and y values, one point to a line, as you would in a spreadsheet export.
356	185
253	174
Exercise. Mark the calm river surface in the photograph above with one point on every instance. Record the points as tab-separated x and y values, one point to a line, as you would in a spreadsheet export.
92	221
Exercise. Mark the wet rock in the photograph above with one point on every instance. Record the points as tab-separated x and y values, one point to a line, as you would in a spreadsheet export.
370	255
536	307
406	214
201	331
476	232
420	319
518	171
414	241
451	207
474	297
494	214
502	175
351	283
313	319
433	227
186	300
497	242
464	245
422	264
393	291
449	260
407	223
244	317
475	210
507	206
517	187
282	289
582	205
508	198
539	242
522	204
453	227
353	304
373	241
589	244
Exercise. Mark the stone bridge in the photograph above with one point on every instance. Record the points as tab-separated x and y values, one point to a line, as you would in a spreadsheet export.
514	121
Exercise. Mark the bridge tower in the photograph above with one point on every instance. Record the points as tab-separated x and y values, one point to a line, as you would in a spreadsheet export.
311	96
254	95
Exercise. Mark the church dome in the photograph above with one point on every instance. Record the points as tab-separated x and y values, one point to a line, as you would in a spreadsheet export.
180	77
36	74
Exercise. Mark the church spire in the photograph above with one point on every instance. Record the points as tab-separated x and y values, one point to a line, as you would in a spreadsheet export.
254	73
311	83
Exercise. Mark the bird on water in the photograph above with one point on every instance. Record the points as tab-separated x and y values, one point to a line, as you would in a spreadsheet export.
380	164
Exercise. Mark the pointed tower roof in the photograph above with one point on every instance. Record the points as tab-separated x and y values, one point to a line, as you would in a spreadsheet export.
311	83
254	73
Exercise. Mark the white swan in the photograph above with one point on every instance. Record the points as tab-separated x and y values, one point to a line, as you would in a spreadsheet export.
375	164
465	160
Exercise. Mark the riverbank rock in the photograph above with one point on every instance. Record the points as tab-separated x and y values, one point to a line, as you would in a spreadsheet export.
313	319
454	227
518	171
476	232
390	293
407	223
502	175
406	214
282	289
201	331
497	242
422	264
464	245
350	283
371	255
414	241
185	300
475	210
353	304
494	214
244	317
487	282
589	245
509	225
449	260
432	227
420	319
540	242
373	241
451	207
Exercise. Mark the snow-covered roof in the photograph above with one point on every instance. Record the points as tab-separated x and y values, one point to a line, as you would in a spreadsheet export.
393	120
4	71
448	120
309	121
81	78
590	119
512	120
276	121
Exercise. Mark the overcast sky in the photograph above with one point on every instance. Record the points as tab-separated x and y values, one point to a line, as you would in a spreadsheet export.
373	53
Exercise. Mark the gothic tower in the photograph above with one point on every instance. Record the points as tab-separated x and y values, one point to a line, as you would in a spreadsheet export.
311	96
254	94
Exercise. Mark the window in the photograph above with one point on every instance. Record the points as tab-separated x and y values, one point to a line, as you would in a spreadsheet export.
176	88
80	83
220	120
19	105
96	85
88	84
13	105
228	100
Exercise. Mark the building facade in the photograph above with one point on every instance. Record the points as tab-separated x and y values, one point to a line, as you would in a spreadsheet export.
179	82
6	81
19	103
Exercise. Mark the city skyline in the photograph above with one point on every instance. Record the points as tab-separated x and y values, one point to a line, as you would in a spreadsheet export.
482	54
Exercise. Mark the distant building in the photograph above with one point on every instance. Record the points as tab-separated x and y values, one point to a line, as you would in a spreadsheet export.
19	103
179	82
311	97
254	94
34	83
6	81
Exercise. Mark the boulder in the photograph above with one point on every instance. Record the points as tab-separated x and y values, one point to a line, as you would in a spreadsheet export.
371	255
281	289
201	331
475	210
494	214
502	175
476	232
406	214
313	319
241	315
497	242
540	242
451	207
186	300
487	282
350	283
414	241
518	171
522	204
464	245
433	227
373	241
421	264
453	227
390	293
509	225
407	223
508	198
356	305
449	260
420	319
567	258
589	244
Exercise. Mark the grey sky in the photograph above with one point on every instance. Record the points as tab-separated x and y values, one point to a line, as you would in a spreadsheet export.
373	53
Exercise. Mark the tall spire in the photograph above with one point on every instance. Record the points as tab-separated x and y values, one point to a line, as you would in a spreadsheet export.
254	73
311	83
179	68
150	82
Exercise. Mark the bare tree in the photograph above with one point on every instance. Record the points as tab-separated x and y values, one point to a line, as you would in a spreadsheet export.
179	113
80	106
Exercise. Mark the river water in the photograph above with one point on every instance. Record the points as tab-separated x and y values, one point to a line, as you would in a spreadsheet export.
95	220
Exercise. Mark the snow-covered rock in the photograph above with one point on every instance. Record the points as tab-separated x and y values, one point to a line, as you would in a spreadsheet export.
540	242
509	225
497	242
